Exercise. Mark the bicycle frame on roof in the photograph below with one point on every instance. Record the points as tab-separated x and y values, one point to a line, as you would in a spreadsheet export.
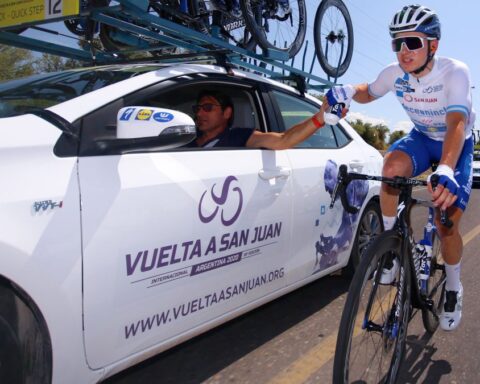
173	34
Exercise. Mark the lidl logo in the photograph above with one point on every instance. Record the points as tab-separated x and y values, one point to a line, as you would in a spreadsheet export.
144	114
163	117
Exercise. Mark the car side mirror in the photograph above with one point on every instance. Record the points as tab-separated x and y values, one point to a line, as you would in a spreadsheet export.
164	128
148	129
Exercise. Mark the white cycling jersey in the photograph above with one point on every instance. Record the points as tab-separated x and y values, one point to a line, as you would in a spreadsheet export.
428	99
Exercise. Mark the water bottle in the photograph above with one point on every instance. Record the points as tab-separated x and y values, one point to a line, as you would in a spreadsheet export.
333	113
424	253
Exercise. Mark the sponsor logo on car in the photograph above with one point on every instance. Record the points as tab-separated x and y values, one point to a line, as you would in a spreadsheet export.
127	114
144	114
163	117
220	202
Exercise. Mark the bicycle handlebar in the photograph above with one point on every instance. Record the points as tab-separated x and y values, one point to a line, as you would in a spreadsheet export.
344	178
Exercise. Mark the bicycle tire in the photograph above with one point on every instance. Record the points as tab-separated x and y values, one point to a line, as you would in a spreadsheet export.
380	302
232	28
435	287
122	42
332	20
289	42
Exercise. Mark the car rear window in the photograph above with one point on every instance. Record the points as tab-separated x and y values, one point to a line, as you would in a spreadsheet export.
46	90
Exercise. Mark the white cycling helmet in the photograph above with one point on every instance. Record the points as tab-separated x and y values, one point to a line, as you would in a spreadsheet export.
416	18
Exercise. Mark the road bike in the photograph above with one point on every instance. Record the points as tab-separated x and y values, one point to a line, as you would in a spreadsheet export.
261	27
272	24
373	328
333	37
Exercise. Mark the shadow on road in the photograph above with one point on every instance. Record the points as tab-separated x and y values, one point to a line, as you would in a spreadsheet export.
202	357
419	365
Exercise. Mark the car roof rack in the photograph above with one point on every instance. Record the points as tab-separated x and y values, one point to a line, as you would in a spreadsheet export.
274	64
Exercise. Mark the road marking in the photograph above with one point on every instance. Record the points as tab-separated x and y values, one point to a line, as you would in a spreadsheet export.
303	368
313	360
471	235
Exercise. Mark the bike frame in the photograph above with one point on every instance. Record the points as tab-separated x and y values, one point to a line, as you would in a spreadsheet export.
402	226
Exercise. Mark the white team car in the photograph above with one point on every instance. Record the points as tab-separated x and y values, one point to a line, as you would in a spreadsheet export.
118	242
476	169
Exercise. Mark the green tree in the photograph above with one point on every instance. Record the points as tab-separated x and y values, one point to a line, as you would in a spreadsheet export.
395	135
53	63
374	135
16	63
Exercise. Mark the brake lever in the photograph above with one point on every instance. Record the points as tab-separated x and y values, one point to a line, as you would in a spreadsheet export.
444	219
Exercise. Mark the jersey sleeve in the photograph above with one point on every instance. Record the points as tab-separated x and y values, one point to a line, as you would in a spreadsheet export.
459	90
384	82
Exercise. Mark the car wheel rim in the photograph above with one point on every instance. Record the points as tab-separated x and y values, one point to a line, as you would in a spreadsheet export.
369	228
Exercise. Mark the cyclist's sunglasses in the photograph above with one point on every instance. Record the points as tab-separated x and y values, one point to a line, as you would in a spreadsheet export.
411	42
207	107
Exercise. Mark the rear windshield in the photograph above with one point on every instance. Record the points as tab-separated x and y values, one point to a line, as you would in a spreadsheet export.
46	90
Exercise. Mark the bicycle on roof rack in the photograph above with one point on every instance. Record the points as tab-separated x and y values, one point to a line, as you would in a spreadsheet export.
373	328
168	29
272	24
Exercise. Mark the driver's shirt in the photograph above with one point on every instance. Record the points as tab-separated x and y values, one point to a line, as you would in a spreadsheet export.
428	99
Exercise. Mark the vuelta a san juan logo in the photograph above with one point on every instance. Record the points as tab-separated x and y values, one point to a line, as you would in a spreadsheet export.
225	202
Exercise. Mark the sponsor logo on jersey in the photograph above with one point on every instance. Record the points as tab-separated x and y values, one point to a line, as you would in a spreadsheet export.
402	85
409	98
163	117
433	88
144	114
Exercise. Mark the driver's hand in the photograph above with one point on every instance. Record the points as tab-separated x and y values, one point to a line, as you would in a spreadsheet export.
446	192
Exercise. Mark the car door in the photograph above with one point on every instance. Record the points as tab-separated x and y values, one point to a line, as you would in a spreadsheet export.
321	236
175	242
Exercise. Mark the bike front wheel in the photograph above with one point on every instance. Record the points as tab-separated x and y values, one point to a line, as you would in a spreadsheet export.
333	37
373	328
435	287
279	25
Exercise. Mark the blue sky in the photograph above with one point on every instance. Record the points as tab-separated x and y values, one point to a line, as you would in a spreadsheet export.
460	28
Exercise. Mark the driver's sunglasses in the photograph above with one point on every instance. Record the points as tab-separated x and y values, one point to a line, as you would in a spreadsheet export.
207	107
411	42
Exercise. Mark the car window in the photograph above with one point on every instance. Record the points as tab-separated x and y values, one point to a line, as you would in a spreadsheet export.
294	110
173	94
47	90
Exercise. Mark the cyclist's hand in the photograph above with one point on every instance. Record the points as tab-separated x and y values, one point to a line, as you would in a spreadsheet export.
446	192
343	94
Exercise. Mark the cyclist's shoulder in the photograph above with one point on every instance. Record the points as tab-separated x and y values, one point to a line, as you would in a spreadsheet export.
451	65
390	73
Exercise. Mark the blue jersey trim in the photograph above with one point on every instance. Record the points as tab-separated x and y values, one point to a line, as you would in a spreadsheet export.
458	108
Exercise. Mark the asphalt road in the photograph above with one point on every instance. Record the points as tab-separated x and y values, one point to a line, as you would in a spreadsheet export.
292	340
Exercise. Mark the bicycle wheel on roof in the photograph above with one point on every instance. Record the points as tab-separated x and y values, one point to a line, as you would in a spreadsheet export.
333	37
276	24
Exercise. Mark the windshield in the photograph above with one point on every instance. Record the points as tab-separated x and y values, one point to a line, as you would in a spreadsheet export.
46	90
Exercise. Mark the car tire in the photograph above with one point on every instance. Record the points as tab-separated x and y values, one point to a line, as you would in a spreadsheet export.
25	353
369	226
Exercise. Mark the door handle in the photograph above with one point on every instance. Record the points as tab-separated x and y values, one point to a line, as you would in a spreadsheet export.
277	173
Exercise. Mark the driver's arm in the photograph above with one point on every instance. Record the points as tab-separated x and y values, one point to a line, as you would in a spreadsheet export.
291	137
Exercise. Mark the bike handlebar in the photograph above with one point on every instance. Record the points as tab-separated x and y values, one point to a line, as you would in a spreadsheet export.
344	178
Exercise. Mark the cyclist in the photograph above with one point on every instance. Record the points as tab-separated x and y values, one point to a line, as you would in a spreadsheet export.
435	92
